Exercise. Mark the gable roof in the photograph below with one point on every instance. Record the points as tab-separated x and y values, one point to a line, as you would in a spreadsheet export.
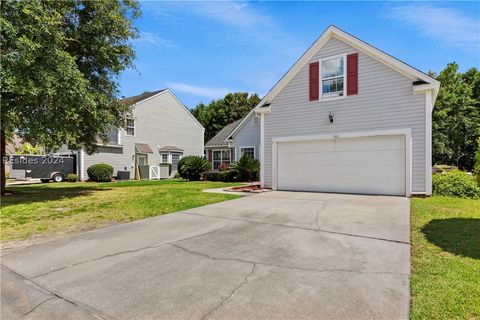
140	97
150	95
219	139
240	124
382	57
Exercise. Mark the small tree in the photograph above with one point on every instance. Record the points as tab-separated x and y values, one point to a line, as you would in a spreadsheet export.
248	167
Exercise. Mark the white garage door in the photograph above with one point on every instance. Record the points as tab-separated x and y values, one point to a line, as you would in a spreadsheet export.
367	165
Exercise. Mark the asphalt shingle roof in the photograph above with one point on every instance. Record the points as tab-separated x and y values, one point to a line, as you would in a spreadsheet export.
140	97
219	138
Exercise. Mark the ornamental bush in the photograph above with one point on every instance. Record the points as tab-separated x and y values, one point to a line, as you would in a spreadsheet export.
191	167
455	183
100	172
224	176
72	177
248	167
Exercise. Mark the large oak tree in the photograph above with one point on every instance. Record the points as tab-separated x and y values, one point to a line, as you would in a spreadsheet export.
60	63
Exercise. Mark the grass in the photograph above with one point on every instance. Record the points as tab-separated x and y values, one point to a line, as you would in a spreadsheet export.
445	281
56	208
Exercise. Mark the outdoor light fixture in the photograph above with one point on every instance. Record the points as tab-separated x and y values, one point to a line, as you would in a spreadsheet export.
330	117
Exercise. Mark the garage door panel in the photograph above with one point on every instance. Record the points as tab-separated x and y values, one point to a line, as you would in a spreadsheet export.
371	165
371	143
355	158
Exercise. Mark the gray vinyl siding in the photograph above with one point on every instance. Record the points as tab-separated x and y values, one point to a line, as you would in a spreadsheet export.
159	121
385	100
119	158
247	136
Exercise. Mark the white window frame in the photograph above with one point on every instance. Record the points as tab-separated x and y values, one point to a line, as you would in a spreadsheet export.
221	157
246	147
344	95
161	157
134	127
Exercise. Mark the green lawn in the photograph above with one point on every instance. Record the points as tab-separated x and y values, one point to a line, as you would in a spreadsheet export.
56	208
445	280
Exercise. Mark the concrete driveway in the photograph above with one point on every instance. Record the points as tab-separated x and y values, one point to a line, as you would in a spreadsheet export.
277	255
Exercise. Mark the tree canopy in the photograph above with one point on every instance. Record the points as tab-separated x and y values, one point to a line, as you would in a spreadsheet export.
59	67
218	113
456	117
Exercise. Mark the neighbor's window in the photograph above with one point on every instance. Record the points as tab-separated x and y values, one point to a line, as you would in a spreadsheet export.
164	157
175	158
249	151
219	157
333	73
130	127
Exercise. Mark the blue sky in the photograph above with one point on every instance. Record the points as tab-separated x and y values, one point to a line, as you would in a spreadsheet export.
202	50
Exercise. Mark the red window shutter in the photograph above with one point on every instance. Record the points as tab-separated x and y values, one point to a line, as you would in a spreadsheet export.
352	74
313	81
209	155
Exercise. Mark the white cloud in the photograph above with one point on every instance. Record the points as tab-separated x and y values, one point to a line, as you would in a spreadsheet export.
448	25
212	93
150	39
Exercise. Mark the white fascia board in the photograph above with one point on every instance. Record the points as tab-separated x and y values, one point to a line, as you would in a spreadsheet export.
354	42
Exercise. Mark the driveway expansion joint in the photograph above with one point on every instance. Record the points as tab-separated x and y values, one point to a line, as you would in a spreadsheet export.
296	227
54	295
124	252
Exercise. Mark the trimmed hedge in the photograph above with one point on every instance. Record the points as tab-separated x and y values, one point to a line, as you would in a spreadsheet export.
455	183
224	176
100	172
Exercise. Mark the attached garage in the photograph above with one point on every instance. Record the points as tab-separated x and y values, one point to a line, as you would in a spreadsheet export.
371	164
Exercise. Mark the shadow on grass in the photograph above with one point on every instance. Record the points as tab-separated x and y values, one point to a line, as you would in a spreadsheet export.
42	193
460	236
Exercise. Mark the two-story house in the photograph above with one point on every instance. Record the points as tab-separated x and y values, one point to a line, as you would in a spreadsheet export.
161	130
348	118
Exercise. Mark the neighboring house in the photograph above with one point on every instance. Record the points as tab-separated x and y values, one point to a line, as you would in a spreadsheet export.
161	130
348	118
234	140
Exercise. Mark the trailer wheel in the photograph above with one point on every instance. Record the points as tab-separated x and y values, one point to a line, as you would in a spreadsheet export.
45	180
58	177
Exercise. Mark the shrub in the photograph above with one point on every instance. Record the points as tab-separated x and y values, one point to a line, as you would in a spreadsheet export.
247	167
100	172
456	183
224	176
72	177
191	167
476	168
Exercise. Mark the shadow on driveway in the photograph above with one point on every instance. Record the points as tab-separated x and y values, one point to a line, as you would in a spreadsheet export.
460	236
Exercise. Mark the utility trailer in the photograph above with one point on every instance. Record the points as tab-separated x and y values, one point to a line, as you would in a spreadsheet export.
46	168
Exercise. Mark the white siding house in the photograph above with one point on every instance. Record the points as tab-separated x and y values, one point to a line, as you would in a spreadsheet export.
348	118
161	130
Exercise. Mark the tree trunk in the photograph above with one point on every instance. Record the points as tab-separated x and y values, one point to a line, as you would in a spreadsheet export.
4	161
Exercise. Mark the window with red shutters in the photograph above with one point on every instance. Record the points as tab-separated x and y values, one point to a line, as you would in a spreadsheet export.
314	76
352	74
